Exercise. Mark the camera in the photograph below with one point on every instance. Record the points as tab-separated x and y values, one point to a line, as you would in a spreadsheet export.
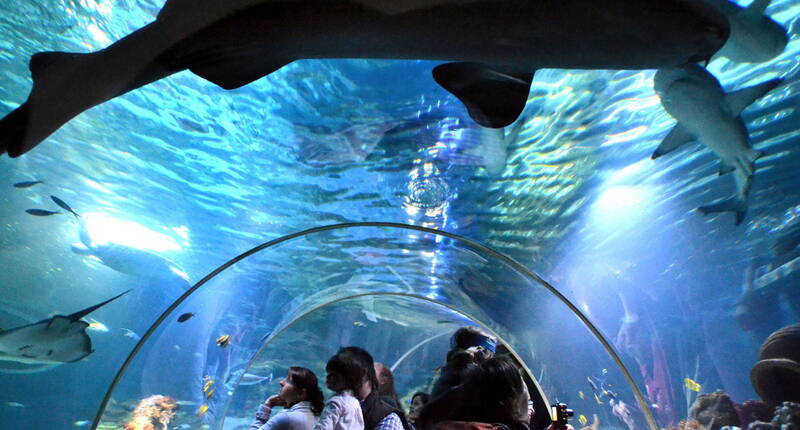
561	413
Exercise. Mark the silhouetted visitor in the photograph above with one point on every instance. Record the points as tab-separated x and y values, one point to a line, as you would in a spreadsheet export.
493	396
468	346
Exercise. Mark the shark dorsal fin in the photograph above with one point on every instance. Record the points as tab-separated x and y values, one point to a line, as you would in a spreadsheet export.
492	97
738	100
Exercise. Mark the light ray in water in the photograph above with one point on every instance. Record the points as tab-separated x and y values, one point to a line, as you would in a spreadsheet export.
103	228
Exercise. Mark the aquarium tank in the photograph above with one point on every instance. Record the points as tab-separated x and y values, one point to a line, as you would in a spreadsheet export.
631	263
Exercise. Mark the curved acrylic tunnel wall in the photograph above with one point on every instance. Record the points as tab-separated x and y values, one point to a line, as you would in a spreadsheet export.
396	290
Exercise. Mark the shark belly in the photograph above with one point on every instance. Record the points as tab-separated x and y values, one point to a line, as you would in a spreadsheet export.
611	34
235	43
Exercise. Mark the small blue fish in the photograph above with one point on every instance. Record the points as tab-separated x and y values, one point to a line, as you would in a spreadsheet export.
41	212
64	206
27	184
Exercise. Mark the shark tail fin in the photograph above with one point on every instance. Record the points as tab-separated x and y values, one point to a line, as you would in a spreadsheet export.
13	128
29	124
733	204
740	99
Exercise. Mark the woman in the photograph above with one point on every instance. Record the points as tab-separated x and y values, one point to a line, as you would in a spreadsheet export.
418	400
301	398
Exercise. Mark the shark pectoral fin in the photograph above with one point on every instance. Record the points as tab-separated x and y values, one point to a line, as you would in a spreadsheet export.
740	99
676	137
733	204
493	98
234	72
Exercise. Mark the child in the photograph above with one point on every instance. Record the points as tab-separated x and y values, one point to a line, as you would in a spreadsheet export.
343	411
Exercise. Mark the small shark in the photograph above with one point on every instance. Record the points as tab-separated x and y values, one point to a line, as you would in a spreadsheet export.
60	339
130	261
706	113
495	46
755	37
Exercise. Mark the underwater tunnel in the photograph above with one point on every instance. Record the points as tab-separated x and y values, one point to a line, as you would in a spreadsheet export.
643	278
418	286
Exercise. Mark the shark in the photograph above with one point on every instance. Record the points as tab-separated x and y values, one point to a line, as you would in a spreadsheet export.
706	113
130	261
754	37
492	48
60	339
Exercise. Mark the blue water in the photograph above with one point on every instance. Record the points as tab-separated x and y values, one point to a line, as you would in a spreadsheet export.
197	175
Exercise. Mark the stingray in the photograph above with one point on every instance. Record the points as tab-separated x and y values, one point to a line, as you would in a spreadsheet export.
60	339
492	48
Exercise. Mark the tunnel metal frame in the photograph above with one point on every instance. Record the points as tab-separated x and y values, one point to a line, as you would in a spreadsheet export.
642	402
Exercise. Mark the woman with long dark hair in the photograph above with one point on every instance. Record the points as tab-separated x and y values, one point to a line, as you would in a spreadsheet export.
300	396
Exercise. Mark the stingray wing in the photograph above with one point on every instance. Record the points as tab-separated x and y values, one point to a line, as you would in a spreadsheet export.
54	340
60	339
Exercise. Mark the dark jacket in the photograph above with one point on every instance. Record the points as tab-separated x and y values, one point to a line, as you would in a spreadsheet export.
375	408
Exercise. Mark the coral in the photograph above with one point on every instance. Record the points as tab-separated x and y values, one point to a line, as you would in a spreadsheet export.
760	425
787	416
714	411
753	411
687	425
152	413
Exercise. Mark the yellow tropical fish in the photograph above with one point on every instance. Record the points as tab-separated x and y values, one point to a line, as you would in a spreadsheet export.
207	386
597	399
203	409
581	395
359	324
583	420
224	340
97	326
210	393
692	384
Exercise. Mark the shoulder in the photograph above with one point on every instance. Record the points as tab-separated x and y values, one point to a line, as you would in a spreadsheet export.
344	399
390	422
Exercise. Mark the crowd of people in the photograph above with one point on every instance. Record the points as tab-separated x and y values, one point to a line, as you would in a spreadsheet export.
476	390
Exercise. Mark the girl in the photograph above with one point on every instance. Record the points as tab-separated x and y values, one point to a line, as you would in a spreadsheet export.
343	411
